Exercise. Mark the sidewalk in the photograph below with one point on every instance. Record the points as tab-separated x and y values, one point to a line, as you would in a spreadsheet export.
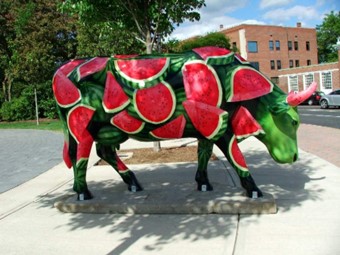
307	221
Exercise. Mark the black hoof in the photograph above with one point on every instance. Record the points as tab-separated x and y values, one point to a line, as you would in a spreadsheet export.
86	195
251	189
205	187
132	182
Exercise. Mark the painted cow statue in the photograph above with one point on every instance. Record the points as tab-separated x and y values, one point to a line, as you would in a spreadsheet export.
209	93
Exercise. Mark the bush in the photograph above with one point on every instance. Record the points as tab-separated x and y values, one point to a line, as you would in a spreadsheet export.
18	109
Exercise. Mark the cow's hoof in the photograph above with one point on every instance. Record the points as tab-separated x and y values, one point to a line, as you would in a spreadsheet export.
135	188
249	185
205	187
86	195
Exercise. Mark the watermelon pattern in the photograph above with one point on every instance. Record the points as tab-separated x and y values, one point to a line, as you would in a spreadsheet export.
244	124
92	66
171	130
215	55
142	73
237	157
127	123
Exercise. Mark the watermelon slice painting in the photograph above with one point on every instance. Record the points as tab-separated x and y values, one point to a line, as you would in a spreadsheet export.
139	72
237	157
215	55
171	130
210	121
114	99
244	124
125	122
155	104
92	66
246	83
201	83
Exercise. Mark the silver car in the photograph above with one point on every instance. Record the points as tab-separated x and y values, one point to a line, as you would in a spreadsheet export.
332	99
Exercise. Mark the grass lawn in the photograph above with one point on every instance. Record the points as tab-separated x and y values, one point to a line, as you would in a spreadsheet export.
44	124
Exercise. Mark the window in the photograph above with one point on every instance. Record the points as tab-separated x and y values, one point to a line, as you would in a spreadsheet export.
309	62
271	45
293	83
308	79
256	65
290	45
272	64
278	64
326	78
277	45
297	63
307	46
296	45
234	45
252	46
275	80
291	63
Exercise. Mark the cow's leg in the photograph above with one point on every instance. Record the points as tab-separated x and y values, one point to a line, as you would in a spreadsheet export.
109	154
204	152
229	146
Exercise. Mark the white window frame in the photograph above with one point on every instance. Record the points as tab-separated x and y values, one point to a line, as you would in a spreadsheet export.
306	80
293	83
322	81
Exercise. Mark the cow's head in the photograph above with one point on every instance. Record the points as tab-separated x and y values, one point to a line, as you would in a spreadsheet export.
278	116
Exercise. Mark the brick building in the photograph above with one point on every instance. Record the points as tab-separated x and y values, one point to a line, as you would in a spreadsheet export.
273	48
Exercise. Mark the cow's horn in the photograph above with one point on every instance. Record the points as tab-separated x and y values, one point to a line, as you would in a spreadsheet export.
296	98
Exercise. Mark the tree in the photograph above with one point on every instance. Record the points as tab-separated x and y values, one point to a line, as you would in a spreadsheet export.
148	21
327	34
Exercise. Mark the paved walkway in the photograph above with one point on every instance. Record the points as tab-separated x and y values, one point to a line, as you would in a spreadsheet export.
307	222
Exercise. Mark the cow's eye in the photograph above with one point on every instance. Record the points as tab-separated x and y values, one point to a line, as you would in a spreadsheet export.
294	122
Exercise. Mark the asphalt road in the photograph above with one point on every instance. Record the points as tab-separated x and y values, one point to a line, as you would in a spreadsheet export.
321	117
24	154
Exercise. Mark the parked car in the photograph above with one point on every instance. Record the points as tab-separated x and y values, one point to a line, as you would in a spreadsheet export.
314	99
332	99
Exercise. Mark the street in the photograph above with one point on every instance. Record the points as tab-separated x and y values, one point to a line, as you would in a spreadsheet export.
322	117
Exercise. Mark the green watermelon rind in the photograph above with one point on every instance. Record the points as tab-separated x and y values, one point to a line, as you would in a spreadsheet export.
143	83
220	60
231	93
68	117
212	70
78	75
230	150
136	131
116	109
173	95
182	126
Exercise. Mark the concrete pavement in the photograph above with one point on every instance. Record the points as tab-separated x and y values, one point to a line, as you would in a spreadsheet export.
307	221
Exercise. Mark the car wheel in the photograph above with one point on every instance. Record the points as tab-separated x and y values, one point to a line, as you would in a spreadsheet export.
310	102
324	104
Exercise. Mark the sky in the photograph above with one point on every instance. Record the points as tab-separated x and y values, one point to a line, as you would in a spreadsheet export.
264	12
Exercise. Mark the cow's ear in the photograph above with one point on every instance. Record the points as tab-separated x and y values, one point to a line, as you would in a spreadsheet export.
279	108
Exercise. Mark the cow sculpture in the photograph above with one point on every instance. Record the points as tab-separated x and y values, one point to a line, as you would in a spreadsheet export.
208	93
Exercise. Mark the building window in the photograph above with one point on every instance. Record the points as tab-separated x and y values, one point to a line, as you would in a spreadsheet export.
278	64
326	78
275	80
277	45
308	79
307	46
296	45
272	64
256	65
271	45
252	46
290	45
309	62
291	63
297	63
293	83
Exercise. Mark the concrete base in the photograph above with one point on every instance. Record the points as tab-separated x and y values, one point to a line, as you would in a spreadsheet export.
168	189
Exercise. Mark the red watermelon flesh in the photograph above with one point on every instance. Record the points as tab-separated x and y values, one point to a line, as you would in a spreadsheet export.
247	83
173	129
122	56
236	155
207	119
240	58
201	83
244	124
78	119
125	122
66	155
155	104
114	98
65	92
137	70
92	66
68	67
209	51
84	148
